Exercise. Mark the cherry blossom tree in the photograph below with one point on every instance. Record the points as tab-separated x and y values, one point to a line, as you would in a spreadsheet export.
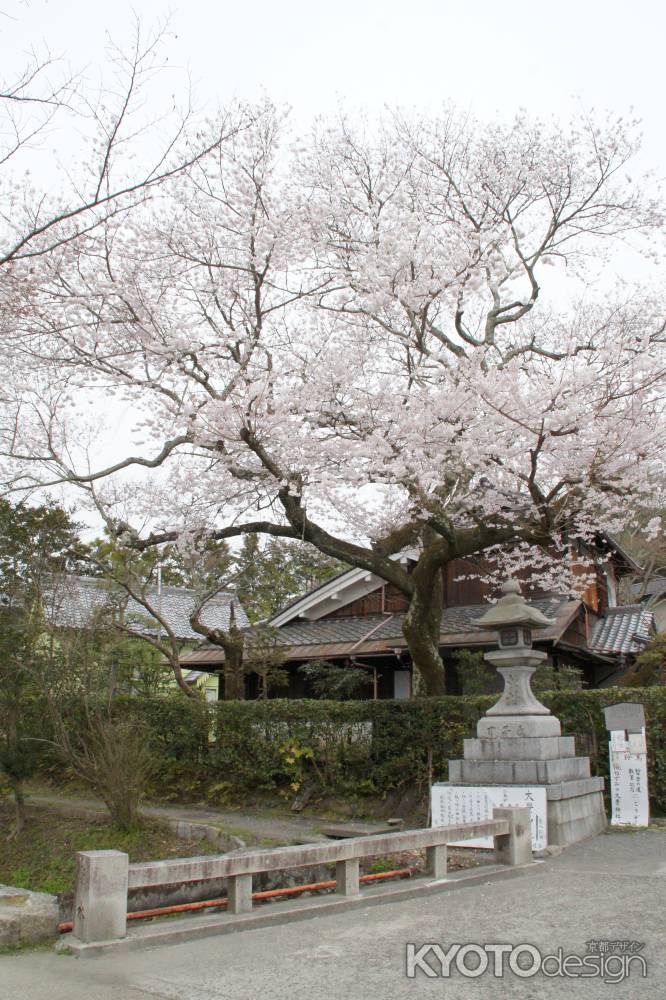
341	341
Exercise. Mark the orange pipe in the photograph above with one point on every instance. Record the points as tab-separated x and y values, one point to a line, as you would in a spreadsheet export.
205	904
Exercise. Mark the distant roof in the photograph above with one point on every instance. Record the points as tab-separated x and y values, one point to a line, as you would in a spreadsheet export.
76	601
656	587
193	676
625	629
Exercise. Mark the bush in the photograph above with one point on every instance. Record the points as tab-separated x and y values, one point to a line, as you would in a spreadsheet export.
355	748
114	759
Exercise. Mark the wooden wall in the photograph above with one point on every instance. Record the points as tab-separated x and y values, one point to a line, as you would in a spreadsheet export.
384	600
462	587
458	593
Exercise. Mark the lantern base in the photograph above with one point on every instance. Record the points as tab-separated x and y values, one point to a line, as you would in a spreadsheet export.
574	809
502	758
578	815
520	748
517	726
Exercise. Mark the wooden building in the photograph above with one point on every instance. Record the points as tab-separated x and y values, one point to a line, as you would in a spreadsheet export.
355	619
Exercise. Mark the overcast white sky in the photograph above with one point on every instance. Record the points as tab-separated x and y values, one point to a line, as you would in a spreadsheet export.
487	55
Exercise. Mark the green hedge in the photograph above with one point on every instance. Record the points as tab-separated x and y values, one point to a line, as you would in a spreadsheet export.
230	750
377	747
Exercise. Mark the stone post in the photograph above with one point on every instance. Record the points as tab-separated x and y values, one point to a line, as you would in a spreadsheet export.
346	877
514	847
100	899
437	861
239	893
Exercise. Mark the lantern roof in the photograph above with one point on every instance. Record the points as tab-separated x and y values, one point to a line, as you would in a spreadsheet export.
512	609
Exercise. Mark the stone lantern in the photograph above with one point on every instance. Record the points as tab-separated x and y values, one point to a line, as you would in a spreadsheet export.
519	743
518	713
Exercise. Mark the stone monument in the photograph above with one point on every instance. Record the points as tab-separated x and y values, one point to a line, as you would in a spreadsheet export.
519	741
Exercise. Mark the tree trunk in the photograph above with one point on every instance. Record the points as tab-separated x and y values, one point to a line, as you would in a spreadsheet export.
234	675
18	789
124	812
422	624
15	771
113	682
174	660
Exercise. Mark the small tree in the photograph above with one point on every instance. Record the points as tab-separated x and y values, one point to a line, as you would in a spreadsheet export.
112	661
479	677
20	637
79	679
112	756
328	680
132	574
565	677
265	658
475	675
267	576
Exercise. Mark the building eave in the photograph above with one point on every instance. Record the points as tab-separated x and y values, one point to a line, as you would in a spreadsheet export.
334	592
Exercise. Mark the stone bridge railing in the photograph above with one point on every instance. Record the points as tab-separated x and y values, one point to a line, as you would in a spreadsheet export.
103	878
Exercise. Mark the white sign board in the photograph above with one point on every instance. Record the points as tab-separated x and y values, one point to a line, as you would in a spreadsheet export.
628	774
474	803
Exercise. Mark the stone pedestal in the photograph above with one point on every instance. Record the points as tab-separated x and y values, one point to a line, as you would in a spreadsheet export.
519	742
575	800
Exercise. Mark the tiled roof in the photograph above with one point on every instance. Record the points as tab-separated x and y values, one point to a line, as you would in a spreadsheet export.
379	633
463	619
333	630
76	601
623	630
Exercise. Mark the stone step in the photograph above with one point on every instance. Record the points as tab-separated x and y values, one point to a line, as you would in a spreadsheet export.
579	787
530	748
27	917
518	772
575	818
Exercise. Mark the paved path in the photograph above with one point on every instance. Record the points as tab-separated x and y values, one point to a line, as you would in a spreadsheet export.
251	826
613	887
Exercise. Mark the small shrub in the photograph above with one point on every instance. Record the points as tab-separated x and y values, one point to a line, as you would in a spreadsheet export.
113	757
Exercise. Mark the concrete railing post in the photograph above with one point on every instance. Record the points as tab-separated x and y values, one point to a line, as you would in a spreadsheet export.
239	893
436	861
346	877
515	847
100	899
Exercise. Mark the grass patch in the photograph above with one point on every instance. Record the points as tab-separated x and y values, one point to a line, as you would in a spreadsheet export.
43	858
18	949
